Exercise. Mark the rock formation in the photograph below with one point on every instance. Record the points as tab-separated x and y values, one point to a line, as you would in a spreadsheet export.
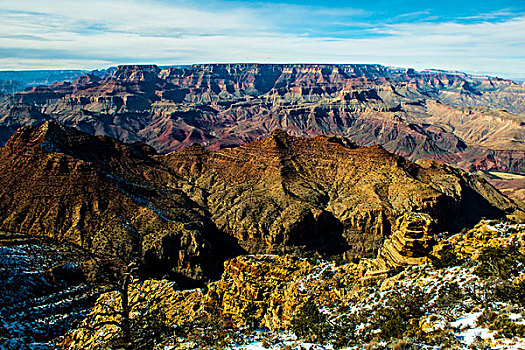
268	291
410	244
264	289
467	121
184	213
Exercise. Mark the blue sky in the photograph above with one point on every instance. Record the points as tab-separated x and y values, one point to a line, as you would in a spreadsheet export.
485	36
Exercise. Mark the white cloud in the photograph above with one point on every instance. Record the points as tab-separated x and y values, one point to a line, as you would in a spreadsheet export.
98	33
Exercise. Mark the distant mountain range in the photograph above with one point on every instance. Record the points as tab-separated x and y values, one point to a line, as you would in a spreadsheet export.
12	81
16	81
474	122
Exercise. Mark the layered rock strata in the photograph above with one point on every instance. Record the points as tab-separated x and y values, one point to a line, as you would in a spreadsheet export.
410	244
471	122
268	290
184	213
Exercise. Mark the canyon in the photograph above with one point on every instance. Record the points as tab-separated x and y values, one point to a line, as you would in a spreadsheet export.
473	122
265	187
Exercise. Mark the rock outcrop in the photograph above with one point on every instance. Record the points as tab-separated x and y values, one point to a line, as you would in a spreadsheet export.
471	122
265	290
268	291
410	244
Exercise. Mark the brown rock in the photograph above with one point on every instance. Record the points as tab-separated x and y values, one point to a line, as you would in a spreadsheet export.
184	213
450	117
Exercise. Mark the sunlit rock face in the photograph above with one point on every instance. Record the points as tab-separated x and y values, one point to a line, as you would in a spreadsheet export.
184	213
471	122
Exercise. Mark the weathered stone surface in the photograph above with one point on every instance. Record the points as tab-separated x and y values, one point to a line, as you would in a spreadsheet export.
184	213
98	194
270	289
485	234
267	288
410	243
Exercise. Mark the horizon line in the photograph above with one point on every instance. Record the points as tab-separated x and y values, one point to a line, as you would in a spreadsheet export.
162	66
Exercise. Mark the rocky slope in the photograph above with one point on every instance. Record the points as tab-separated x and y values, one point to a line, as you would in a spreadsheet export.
45	288
472	122
103	196
460	300
184	213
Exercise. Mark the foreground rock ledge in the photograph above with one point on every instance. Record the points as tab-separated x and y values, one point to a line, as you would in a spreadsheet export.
271	289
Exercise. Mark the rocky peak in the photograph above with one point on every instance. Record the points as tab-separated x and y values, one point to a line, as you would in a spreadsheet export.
137	68
278	139
281	194
136	73
106	153
50	136
87	79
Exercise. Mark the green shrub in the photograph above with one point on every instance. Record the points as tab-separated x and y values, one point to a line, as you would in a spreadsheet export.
445	340
310	324
345	331
519	293
400	344
449	295
399	314
503	262
487	317
447	258
478	344
507	328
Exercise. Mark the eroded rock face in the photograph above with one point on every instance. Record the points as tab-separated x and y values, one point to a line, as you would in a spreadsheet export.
266	290
411	242
270	290
94	192
471	122
184	213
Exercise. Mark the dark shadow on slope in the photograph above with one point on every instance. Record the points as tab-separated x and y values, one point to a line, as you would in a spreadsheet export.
323	235
215	246
475	207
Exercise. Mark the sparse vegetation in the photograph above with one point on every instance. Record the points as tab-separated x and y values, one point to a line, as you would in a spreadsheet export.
404	309
447	258
310	324
507	328
395	316
502	262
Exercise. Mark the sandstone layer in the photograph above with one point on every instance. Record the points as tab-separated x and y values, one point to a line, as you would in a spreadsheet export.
268	291
468	121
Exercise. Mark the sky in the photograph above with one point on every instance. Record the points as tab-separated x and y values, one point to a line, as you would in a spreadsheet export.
483	36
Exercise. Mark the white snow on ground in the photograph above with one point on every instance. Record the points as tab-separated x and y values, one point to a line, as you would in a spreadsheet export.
294	346
518	318
467	320
470	335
